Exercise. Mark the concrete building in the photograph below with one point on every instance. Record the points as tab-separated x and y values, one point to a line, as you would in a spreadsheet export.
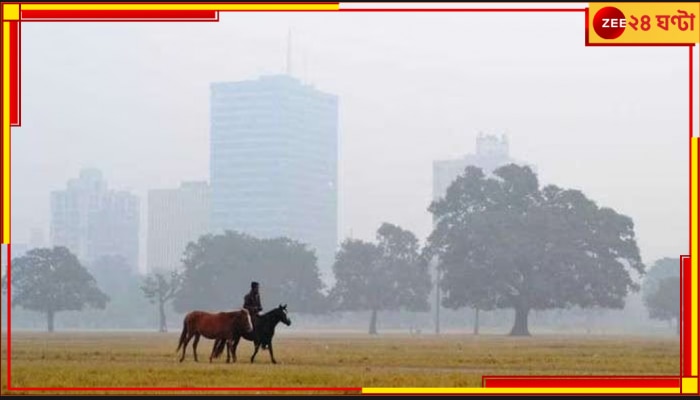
491	152
176	217
274	162
93	221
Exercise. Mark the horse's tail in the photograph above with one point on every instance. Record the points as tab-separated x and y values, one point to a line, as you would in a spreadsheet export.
218	348
183	335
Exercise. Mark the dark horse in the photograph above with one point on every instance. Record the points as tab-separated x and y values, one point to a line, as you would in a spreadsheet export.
221	325
263	331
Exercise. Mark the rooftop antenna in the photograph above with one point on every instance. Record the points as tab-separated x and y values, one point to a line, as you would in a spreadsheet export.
305	73
289	52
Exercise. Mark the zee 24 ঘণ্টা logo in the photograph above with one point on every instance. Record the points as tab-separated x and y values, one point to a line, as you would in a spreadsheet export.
610	22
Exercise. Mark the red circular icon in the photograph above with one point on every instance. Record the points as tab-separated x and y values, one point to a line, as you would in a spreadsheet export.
609	23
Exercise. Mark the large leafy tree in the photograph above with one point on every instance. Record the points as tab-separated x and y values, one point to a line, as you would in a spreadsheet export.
662	268
504	242
664	302
218	270
661	291
51	280
159	290
388	275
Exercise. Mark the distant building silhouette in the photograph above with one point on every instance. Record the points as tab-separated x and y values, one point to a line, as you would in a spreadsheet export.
492	152
93	221
274	162
175	217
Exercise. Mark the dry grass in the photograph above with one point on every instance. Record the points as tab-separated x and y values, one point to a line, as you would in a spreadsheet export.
315	360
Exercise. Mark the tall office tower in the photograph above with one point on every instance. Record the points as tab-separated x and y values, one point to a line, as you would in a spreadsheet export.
274	162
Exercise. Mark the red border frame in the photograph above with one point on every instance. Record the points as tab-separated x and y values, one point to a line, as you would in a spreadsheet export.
213	16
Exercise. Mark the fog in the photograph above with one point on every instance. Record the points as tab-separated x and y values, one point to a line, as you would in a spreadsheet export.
132	99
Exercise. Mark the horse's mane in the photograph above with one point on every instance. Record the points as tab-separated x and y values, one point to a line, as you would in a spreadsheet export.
269	313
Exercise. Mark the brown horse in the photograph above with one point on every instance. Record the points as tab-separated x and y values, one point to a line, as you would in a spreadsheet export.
221	325
264	330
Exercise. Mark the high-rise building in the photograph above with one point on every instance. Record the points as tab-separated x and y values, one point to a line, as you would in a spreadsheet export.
176	217
92	221
273	165
491	152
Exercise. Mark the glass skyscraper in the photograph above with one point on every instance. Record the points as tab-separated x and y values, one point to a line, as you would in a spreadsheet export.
274	162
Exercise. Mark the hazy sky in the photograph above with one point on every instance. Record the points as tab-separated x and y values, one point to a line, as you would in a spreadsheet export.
133	100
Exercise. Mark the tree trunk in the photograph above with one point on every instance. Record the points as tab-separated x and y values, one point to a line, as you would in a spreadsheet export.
520	326
49	319
373	323
476	321
163	325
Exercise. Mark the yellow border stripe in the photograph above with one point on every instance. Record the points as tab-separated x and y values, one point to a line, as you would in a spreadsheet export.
694	256
477	390
6	133
180	6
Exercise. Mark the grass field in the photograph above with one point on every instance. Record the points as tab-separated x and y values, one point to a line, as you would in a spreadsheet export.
66	359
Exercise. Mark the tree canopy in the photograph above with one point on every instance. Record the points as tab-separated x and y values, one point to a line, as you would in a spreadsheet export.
503	242
664	302
218	270
661	290
51	280
388	275
662	268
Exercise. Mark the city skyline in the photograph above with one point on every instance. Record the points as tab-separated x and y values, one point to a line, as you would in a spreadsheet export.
181	214
138	108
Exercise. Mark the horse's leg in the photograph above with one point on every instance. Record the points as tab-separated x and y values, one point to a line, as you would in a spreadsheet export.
272	356
194	346
184	347
233	348
228	351
257	346
213	350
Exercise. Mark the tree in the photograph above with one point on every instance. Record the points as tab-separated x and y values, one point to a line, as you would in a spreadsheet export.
664	303
51	280
658	291
386	276
159	290
662	268
218	270
502	242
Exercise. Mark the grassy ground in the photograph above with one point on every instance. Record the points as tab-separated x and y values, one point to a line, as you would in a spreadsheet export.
324	360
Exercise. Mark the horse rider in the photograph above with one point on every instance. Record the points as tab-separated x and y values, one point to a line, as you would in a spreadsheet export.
251	301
